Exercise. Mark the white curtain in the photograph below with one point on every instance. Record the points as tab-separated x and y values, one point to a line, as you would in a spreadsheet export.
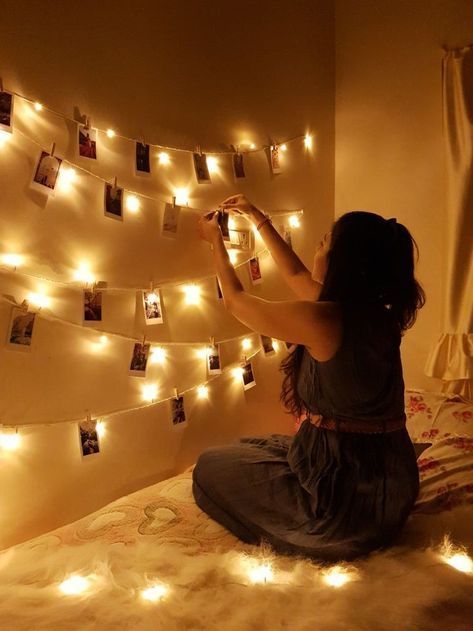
451	359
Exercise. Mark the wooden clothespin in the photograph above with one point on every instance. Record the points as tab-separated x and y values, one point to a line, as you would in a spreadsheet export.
53	148
198	149
176	394
88	416
174	201
115	183
144	339
212	342
143	142
25	305
87	122
244	360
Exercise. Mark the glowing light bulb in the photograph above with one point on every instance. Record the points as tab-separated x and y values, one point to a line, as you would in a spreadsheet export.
233	256
84	275
252	145
10	440
154	593
246	343
182	196
13	260
158	355
336	576
283	147
237	372
100	428
132	203
164	158
39	300
103	340
461	562
231	223
202	353
212	163
110	133
275	344
73	585
150	392
294	221
202	392
192	294
261	574
308	141
38	107
4	136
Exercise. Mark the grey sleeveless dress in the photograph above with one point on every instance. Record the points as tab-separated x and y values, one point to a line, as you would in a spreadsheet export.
327	494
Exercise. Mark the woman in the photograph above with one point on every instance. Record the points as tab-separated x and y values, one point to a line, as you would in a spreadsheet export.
346	483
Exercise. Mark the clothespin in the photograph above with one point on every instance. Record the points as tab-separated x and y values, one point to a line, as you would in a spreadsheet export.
87	122
144	339
53	149
25	305
151	287
198	149
176	394
143	141
1	84
212	341
88	416
174	201
115	183
244	360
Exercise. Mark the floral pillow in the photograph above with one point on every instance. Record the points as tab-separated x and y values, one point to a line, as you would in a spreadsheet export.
421	410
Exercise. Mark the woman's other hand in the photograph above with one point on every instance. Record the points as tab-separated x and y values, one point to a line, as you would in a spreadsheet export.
320	259
208	227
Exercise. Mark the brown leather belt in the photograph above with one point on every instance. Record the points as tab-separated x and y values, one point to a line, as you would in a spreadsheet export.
356	425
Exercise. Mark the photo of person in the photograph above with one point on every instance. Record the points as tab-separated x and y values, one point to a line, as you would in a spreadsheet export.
240	239
213	360
6	111
92	305
152	307
267	344
142	164
223	218
219	290
255	271
275	161
248	377
20	332
178	414
46	172
139	359
201	168
170	220
89	438
113	201
87	142
238	166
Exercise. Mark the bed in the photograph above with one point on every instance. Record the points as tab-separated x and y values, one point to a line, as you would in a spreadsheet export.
153	560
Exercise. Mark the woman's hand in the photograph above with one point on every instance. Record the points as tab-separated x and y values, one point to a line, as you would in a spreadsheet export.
208	227
241	205
320	259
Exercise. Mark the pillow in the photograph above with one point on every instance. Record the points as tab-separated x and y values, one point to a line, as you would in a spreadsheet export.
421	410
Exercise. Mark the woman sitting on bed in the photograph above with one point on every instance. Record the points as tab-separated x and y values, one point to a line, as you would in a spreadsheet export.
346	483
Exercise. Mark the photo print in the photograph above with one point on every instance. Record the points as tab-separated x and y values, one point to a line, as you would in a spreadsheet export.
178	413
201	168
87	142
92	305
170	220
289	345
275	159
6	111
240	239
238	166
152	307
223	218
113	201
46	172
267	344
219	290
248	377
20	332
88	437
139	359
255	271
213	360
142	163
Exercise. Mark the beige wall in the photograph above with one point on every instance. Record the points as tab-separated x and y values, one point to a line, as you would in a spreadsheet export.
181	74
389	147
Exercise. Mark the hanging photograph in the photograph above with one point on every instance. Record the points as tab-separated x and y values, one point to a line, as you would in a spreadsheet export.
223	218
20	331
142	163
267	344
139	359
255	271
46	172
170	220
219	290
178	414
88	438
152	307
248	377
201	168
213	360
87	142
240	239
6	111
238	166
113	206
275	159
92	306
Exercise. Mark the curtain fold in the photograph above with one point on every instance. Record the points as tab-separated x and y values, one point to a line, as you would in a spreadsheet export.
451	358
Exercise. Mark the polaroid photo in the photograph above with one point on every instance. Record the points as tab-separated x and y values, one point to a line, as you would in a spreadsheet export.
46	173
139	359
275	159
255	271
238	166
223	218
214	366
170	221
88	438
248	377
142	163
87	141
6	111
20	331
219	290
178	413
240	239
267	344
152	307
92	306
201	168
289	345
113	201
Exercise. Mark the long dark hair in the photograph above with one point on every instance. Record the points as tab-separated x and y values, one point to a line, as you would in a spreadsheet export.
370	264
